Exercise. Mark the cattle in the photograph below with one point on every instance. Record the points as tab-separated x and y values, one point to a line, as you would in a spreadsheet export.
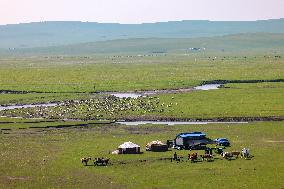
227	155
193	157
206	157
236	153
85	160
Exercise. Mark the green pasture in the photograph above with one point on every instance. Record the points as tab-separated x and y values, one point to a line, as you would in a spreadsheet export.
235	100
123	73
31	98
50	158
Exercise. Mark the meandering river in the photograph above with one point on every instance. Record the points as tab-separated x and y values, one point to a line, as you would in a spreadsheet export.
120	95
167	91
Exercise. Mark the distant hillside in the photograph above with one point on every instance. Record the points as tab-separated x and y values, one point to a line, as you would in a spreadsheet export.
65	33
254	42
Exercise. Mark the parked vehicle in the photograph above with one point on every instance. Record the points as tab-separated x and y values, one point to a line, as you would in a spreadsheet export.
222	142
193	140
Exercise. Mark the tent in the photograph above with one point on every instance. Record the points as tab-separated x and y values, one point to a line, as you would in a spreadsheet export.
156	146
129	148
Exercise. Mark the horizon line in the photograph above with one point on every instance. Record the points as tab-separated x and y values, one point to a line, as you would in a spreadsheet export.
80	21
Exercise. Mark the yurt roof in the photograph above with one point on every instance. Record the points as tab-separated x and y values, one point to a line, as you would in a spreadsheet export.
155	142
128	145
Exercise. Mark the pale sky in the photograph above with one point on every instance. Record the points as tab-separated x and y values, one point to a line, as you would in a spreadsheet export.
137	11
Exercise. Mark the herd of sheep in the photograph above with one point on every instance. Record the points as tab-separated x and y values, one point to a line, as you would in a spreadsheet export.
99	107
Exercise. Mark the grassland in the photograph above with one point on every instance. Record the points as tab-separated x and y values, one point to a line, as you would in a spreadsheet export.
36	98
50	158
235	100
123	73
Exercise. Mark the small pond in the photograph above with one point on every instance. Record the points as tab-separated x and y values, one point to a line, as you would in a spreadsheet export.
208	87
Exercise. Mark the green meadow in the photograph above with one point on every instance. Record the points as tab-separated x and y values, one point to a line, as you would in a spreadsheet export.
50	157
122	73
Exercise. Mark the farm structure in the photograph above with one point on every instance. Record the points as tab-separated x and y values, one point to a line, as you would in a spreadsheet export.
129	148
192	140
156	146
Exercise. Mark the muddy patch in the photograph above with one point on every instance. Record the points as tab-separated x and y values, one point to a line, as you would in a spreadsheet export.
16	178
171	123
12	107
9	181
242	81
274	141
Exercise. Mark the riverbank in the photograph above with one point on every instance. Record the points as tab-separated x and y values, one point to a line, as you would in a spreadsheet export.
143	121
204	85
239	102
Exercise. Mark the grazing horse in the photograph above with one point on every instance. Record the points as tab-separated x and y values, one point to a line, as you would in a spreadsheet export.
206	157
192	157
236	153
85	160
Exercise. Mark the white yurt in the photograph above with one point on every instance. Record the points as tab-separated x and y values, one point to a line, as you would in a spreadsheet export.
129	148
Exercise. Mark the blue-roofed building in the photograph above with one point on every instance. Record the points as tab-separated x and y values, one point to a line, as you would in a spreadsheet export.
190	140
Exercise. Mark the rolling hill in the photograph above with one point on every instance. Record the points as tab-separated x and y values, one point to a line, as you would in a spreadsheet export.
250	42
44	34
